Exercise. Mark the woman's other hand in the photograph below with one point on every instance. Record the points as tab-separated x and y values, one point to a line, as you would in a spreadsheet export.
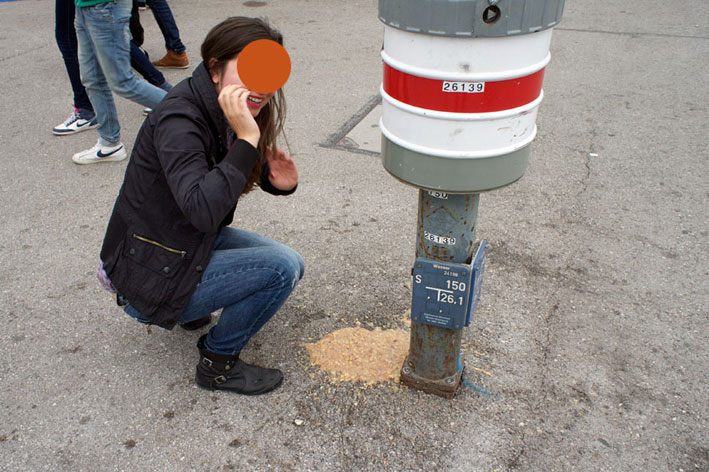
283	172
232	100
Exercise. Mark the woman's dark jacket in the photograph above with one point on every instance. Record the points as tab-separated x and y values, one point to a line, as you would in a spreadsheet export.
181	187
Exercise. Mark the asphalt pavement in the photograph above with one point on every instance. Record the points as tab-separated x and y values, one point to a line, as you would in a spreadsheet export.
588	351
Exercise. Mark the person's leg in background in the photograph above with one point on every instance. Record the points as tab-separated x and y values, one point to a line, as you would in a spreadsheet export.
94	81
104	55
111	37
176	55
82	116
141	63
139	59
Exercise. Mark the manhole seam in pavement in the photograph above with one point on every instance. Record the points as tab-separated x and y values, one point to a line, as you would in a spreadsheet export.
340	140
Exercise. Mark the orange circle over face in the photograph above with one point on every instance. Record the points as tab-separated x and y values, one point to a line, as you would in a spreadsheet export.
263	66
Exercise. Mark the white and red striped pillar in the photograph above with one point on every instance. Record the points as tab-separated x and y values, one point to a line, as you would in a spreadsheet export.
461	87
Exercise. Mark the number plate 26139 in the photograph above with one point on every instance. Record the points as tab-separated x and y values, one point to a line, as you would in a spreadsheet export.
463	87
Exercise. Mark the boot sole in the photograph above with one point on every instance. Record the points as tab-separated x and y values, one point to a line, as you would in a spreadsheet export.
211	389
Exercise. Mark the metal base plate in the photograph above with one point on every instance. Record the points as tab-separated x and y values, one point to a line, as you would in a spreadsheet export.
445	388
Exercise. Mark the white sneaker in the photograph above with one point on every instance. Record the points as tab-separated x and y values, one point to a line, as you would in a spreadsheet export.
74	124
100	153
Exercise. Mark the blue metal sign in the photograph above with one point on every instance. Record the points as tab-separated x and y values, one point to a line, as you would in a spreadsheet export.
441	293
445	294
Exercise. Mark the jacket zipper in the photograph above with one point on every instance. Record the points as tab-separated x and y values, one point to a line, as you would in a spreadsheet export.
162	246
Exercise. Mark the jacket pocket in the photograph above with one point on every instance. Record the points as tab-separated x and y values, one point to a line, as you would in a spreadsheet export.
161	259
149	272
182	253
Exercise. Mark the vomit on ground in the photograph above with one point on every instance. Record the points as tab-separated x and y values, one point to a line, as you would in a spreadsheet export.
359	354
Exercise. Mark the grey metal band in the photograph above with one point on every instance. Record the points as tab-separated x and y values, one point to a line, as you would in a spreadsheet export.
471	18
453	175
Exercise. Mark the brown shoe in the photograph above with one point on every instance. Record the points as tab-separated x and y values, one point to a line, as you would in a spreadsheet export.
172	60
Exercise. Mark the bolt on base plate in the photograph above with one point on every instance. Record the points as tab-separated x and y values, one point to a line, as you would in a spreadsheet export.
445	387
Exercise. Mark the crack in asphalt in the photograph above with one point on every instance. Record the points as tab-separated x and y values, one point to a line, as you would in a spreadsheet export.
22	53
587	162
546	324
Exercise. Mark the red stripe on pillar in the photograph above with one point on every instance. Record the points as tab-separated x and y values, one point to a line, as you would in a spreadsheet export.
428	93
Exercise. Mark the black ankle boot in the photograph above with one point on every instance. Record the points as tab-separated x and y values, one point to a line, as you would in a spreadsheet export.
222	372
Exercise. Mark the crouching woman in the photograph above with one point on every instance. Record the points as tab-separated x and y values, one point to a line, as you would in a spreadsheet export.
168	252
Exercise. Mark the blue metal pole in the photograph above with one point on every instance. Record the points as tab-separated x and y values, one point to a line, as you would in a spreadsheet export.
446	232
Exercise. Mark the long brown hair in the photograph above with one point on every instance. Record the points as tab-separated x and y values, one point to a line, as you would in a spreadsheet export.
224	42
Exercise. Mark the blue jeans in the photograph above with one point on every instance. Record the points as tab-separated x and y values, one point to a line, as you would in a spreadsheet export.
166	23
65	34
104	57
144	67
250	276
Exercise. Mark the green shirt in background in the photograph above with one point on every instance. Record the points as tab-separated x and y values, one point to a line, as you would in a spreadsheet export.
88	3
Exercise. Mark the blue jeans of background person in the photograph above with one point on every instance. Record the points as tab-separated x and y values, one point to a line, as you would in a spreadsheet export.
65	35
166	23
142	65
250	276
104	58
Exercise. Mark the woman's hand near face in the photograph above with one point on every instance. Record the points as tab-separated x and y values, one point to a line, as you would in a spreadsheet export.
232	100
284	174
